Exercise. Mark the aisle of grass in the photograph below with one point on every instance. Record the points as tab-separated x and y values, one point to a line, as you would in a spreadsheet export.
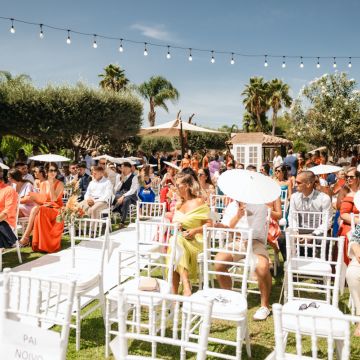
261	333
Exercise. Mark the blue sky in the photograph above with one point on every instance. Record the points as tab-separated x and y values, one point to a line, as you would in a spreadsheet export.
211	91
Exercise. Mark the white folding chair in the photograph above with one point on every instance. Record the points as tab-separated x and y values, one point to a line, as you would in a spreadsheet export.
181	323
335	327
66	194
229	305
16	248
154	253
87	260
150	211
30	302
218	205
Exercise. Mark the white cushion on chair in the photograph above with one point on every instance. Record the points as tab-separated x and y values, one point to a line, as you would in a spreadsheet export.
323	326
84	281
311	265
234	309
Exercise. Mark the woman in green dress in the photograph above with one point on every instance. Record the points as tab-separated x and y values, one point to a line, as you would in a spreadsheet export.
191	213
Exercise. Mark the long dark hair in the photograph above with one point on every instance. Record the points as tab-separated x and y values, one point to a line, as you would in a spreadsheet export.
284	170
17	176
207	175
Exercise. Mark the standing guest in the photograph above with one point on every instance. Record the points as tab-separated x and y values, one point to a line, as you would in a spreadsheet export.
84	180
40	176
277	160
23	188
191	213
126	193
98	193
291	161
205	161
214	165
281	176
88	159
73	176
195	163
8	207
185	162
146	193
206	186
46	230
167	182
23	168
301	163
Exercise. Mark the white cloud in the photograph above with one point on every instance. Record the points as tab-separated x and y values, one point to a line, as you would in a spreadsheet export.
157	32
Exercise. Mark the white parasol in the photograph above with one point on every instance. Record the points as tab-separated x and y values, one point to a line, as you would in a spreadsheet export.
172	165
49	158
248	186
325	169
3	166
105	156
141	166
134	158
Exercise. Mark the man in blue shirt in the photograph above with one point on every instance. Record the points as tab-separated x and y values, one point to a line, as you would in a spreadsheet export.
292	162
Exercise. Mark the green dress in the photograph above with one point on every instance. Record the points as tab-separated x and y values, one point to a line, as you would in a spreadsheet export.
187	250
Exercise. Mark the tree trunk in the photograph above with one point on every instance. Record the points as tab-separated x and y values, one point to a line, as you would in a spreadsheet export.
258	120
152	113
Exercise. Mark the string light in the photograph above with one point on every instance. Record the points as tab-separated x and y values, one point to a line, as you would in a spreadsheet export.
168	55
145	50
121	49
232	61
334	64
349	64
283	63
41	35
301	62
190	55
318	63
95	43
266	62
68	40
12	29
212	57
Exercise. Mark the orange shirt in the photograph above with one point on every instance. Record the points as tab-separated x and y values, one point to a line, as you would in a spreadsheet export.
195	164
8	203
185	163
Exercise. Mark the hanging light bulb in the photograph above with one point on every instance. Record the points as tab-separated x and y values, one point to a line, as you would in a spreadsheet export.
334	63
190	55
168	55
318	63
232	61
121	49
212	57
68	40
301	62
95	43
266	62
283	63
12	29
41	35
349	64
145	50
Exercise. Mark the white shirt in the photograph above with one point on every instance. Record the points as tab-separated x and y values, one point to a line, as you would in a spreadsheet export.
255	219
29	177
99	190
134	185
277	161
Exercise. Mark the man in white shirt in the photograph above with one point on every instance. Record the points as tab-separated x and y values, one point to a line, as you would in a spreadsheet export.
239	215
98	193
278	160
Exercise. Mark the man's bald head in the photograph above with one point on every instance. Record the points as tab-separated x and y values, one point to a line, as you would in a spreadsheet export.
307	177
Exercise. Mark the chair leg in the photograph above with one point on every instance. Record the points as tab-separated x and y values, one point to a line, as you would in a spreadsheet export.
1	250
239	340
78	322
107	328
102	301
247	341
18	251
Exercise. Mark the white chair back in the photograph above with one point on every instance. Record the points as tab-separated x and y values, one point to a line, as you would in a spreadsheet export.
66	194
236	242
29	302
313	257
336	328
181	323
308	221
218	204
150	211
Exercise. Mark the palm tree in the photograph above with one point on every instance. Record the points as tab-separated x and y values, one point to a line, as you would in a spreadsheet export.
255	101
157	91
278	96
113	78
8	77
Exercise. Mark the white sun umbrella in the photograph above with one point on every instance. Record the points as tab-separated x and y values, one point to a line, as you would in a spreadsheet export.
325	169
248	186
134	158
106	157
3	166
172	165
49	158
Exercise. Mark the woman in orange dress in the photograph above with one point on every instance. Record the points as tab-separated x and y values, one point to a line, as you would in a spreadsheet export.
194	163
46	230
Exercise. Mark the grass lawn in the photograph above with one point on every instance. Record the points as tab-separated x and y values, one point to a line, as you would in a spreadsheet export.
262	333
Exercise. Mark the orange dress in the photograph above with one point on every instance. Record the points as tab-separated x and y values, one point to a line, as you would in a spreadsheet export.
185	163
47	231
195	164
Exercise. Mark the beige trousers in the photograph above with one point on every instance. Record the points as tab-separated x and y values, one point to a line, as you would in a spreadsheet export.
353	280
95	210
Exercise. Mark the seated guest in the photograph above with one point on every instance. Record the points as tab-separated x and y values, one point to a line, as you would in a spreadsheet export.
8	207
126	192
84	180
23	188
47	231
73	173
146	193
239	215
23	168
98	193
40	176
206	186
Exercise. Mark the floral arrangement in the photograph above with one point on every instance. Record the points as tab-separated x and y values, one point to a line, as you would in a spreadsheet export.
71	211
72	188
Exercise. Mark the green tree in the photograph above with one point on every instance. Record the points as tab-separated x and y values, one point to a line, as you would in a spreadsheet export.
113	78
157	91
256	99
8	77
278	97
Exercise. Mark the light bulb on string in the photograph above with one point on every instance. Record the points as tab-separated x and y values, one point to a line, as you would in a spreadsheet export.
68	39
283	63
121	49
334	63
232	61
12	29
95	43
349	64
168	55
41	35
190	55
301	62
318	63
212	57
266	62
145	50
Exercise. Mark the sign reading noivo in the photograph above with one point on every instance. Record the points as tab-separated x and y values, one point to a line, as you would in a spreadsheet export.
25	342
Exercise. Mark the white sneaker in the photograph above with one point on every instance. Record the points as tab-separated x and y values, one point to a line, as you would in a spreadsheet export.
261	313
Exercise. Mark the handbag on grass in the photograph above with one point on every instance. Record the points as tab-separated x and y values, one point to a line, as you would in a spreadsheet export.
149	284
